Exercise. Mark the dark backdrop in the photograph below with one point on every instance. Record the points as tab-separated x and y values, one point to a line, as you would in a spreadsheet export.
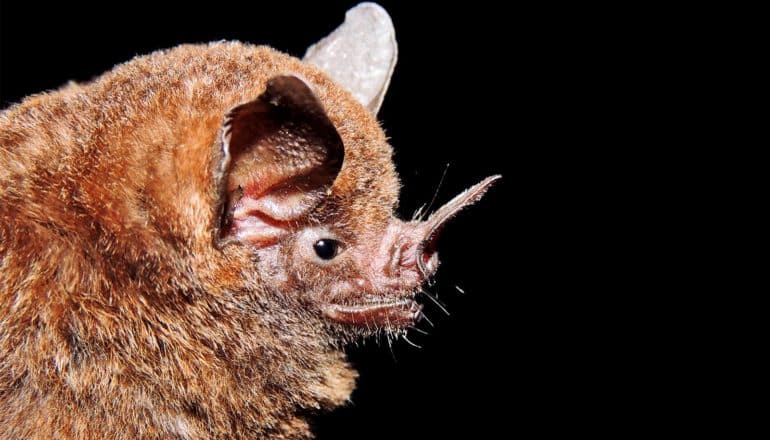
470	91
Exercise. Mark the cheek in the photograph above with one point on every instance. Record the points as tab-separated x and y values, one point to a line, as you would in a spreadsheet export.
317	280
275	267
290	269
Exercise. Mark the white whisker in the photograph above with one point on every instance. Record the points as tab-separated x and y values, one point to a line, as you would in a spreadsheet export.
390	347
436	301
411	343
419	330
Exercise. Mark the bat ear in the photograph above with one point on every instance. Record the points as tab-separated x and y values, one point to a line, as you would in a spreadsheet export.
360	55
280	155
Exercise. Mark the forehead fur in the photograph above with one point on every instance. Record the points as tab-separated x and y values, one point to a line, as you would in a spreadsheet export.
155	138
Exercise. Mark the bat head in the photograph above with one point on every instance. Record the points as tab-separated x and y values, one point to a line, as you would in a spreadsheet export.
319	213
186	240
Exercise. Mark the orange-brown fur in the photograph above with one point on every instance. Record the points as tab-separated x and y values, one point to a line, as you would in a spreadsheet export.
119	317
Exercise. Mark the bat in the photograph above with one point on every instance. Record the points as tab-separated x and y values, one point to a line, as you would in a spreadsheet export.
188	241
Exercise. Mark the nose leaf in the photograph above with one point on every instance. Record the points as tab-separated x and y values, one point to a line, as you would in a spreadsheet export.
431	227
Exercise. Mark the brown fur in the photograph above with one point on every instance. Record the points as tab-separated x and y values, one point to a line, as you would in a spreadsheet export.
119	317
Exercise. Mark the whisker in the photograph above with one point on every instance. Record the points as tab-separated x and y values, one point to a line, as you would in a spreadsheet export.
425	317
437	302
419	330
390	347
435	194
411	343
459	289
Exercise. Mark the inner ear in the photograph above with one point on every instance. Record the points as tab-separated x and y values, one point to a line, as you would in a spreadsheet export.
280	156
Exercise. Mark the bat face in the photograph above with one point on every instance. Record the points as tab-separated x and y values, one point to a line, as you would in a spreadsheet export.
370	280
341	252
282	158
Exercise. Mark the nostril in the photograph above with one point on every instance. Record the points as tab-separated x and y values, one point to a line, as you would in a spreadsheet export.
432	263
426	257
427	262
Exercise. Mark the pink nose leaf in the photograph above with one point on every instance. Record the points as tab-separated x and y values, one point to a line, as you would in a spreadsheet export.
430	228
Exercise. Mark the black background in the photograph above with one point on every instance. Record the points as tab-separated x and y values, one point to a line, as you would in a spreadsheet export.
476	89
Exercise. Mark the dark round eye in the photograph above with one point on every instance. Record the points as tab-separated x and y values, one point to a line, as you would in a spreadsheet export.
326	248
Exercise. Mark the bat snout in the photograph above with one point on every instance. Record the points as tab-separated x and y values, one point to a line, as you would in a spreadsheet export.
411	257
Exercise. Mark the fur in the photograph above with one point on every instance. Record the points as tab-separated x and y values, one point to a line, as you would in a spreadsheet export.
120	317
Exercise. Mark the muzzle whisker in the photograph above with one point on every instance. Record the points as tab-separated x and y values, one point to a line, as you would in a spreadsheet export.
419	330
411	343
390	347
436	301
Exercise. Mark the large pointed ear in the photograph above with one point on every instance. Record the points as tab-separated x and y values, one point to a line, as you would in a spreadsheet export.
360	55
280	156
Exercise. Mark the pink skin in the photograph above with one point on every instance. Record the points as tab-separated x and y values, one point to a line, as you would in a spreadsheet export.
392	271
372	281
405	259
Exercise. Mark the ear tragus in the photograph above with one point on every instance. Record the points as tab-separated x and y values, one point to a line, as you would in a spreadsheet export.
280	155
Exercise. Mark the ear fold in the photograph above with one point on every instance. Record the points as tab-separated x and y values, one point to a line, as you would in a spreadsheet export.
280	156
360	55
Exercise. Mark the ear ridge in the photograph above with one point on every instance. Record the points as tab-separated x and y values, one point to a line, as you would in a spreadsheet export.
360	54
280	154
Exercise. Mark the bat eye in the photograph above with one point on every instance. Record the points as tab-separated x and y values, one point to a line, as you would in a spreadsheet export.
326	248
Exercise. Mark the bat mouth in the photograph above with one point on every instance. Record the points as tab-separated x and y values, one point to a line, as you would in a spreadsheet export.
398	313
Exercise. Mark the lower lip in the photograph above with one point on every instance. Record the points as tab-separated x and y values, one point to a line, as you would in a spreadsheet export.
396	314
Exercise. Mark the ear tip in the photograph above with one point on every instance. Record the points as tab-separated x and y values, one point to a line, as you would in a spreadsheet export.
287	81
374	15
371	8
360	54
